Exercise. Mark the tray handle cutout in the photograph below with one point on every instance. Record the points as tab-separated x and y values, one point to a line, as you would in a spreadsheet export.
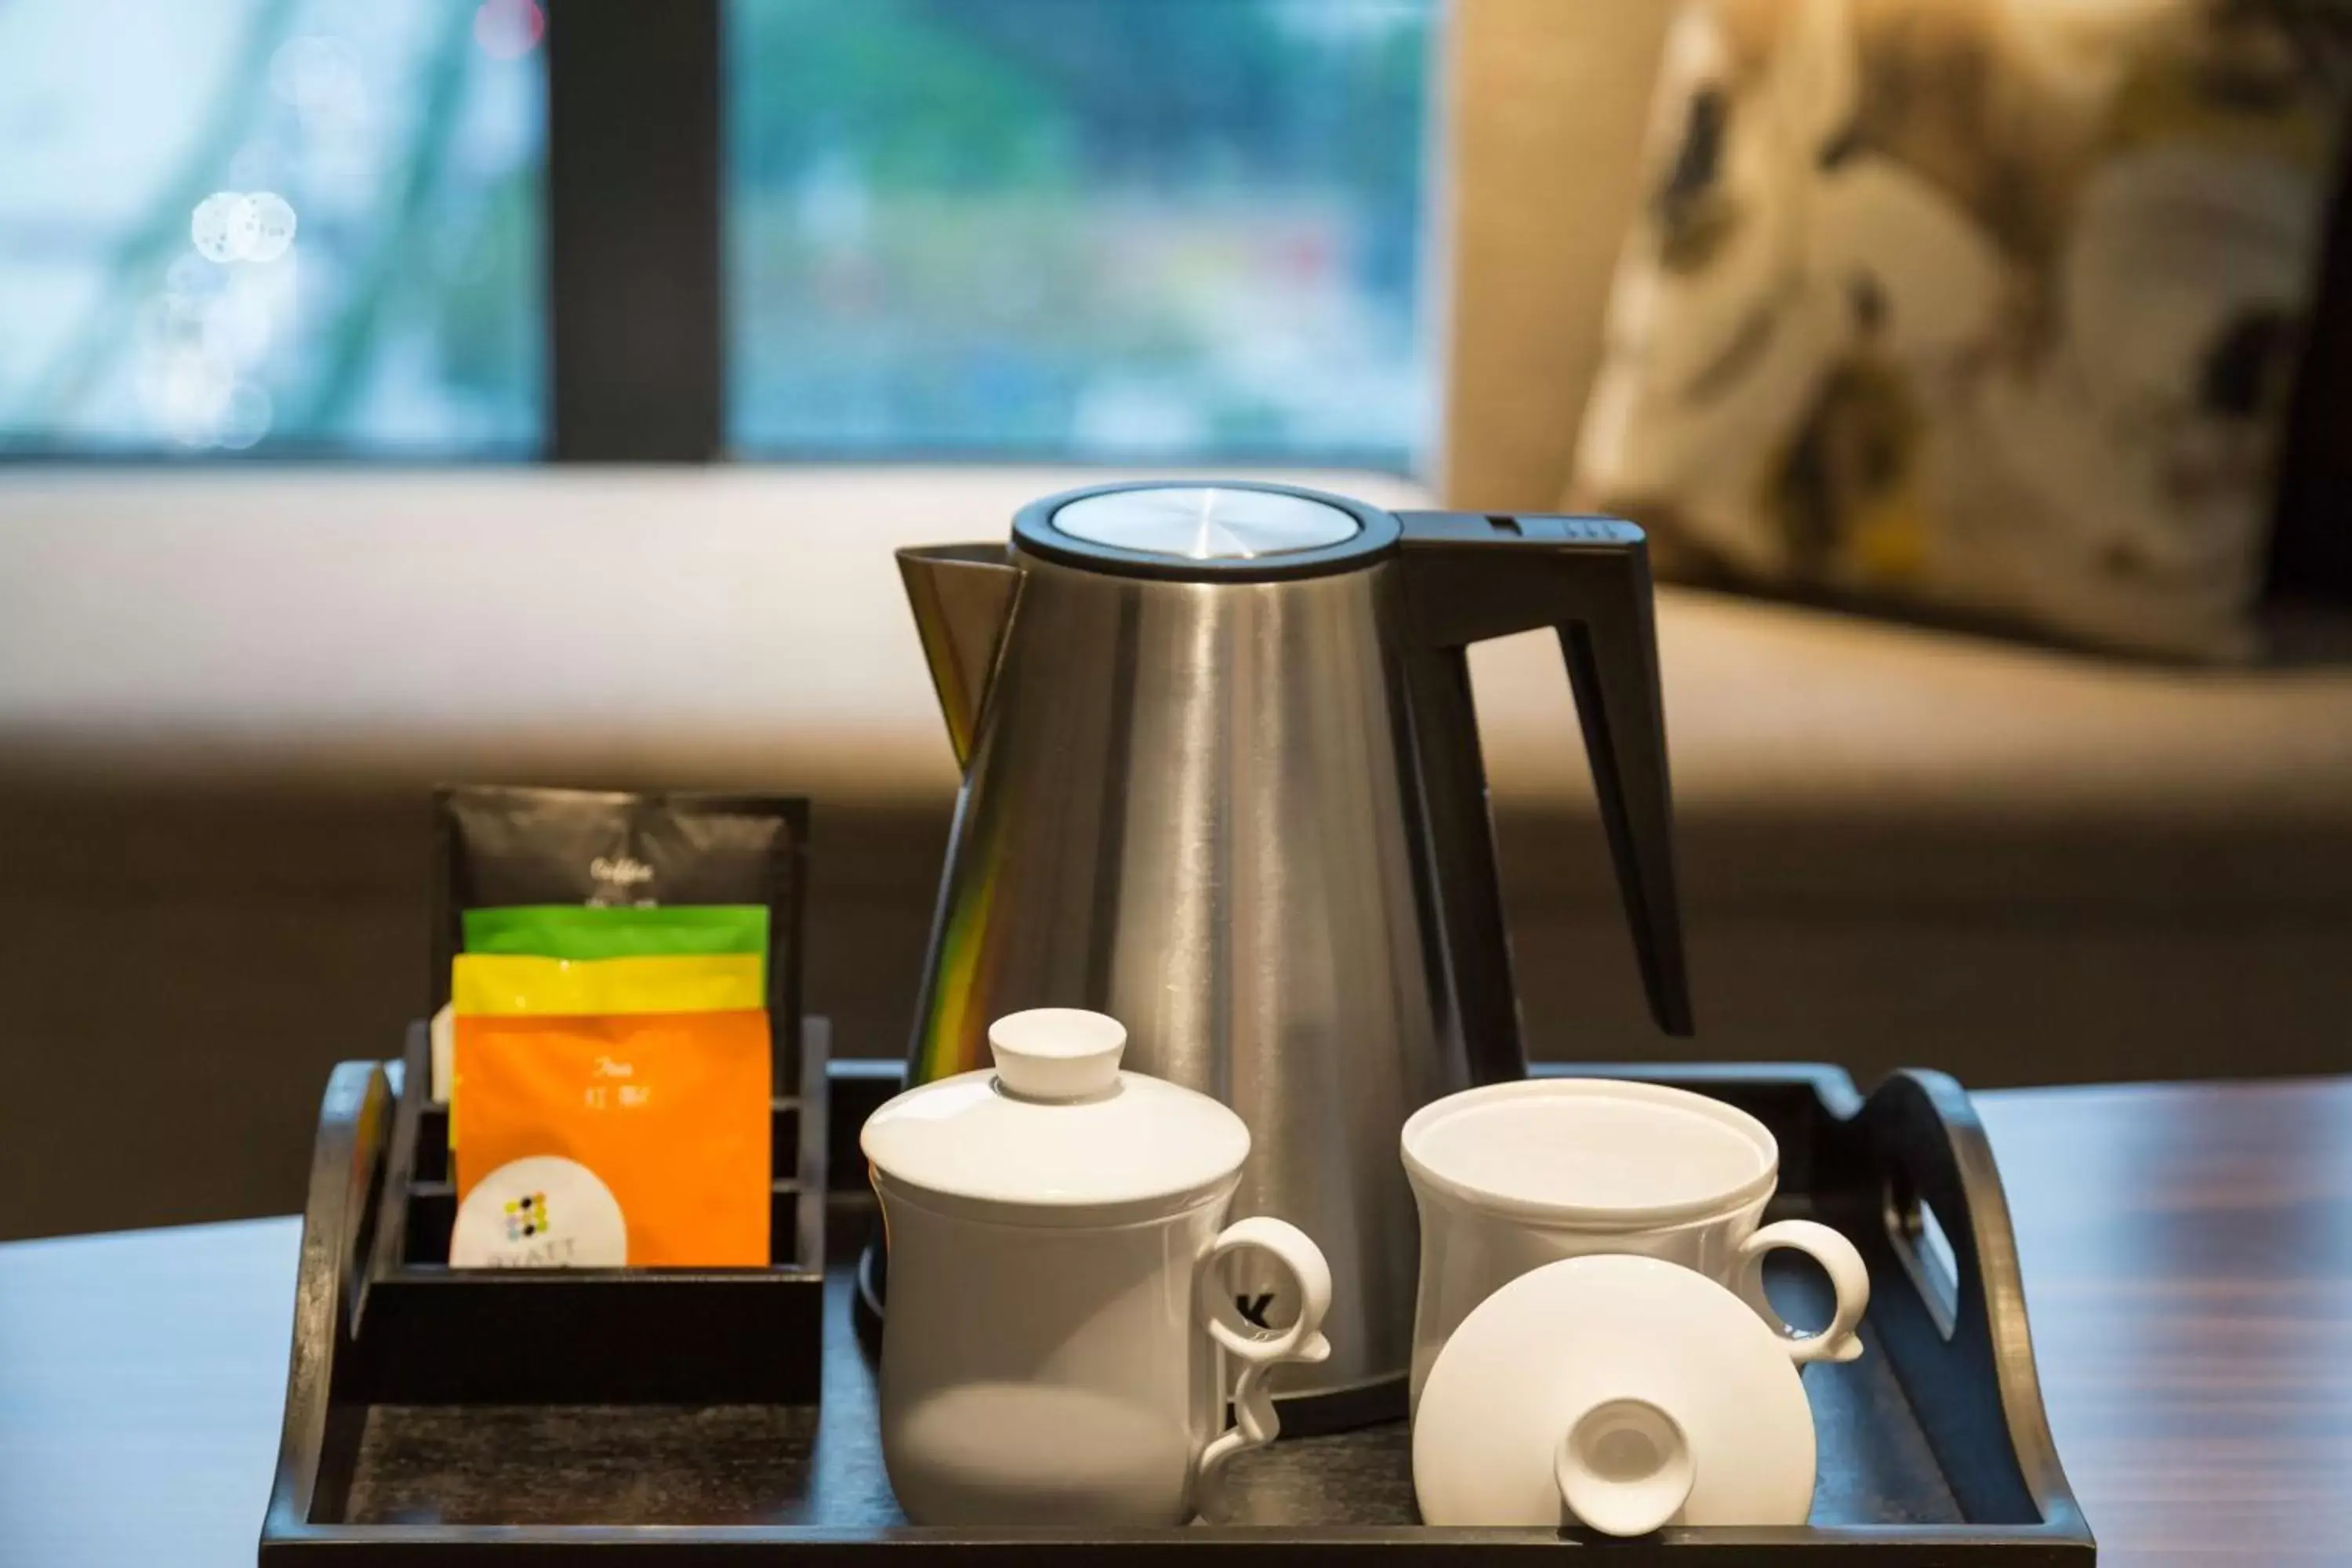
1924	1250
1967	1355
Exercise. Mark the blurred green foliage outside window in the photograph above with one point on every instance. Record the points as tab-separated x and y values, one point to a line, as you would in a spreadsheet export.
1121	230
286	226
1115	229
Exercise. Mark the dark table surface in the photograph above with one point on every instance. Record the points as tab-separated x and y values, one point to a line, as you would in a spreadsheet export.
2188	1260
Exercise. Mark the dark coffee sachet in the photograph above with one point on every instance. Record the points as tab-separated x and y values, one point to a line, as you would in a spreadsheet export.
498	846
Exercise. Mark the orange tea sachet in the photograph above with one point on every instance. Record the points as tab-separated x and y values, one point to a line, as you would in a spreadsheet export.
670	1110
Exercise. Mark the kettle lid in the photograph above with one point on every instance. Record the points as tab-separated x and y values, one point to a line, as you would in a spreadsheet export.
1228	531
1055	1133
1206	522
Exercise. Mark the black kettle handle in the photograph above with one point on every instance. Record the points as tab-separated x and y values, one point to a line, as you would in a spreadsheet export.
1469	576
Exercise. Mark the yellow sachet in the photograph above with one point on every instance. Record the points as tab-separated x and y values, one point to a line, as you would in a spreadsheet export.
505	985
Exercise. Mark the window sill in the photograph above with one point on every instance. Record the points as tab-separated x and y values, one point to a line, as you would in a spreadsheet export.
717	625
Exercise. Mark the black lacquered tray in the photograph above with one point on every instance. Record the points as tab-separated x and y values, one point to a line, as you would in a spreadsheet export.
1934	1446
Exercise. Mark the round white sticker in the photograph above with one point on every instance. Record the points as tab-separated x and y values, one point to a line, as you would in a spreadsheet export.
542	1212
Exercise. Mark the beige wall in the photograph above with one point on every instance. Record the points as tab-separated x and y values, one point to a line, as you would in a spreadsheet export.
1547	100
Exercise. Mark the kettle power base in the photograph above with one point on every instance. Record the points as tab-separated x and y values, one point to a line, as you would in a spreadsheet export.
1934	1448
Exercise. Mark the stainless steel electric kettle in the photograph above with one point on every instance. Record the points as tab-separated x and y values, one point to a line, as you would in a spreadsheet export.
1222	781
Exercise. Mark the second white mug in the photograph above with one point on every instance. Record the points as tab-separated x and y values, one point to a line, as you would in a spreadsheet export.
1515	1175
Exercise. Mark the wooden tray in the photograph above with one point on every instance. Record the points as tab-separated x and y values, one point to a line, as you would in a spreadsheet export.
1934	1446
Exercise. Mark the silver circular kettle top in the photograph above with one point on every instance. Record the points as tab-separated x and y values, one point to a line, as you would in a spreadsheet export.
1205	522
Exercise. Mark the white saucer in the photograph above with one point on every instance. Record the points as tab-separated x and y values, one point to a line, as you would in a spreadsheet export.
1621	1392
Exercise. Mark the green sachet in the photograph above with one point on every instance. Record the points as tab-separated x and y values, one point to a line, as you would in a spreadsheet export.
575	930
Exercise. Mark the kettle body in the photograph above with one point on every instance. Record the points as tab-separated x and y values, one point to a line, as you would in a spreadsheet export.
1221	782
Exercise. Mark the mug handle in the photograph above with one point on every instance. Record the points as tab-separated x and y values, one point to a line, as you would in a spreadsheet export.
1258	1350
1839	1260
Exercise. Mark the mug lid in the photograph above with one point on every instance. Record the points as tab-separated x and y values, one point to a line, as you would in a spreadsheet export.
1589	1381
1055	1131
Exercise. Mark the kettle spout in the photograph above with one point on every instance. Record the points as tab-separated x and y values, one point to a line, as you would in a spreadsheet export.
963	596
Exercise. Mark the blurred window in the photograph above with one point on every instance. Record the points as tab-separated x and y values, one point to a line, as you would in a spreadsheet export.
277	226
1092	229
1084	229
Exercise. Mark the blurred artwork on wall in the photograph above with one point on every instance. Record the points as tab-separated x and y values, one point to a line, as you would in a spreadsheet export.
1990	306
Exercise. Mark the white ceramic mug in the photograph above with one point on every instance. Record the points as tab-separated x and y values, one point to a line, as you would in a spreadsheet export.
1512	1176
1059	1312
1068	1375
